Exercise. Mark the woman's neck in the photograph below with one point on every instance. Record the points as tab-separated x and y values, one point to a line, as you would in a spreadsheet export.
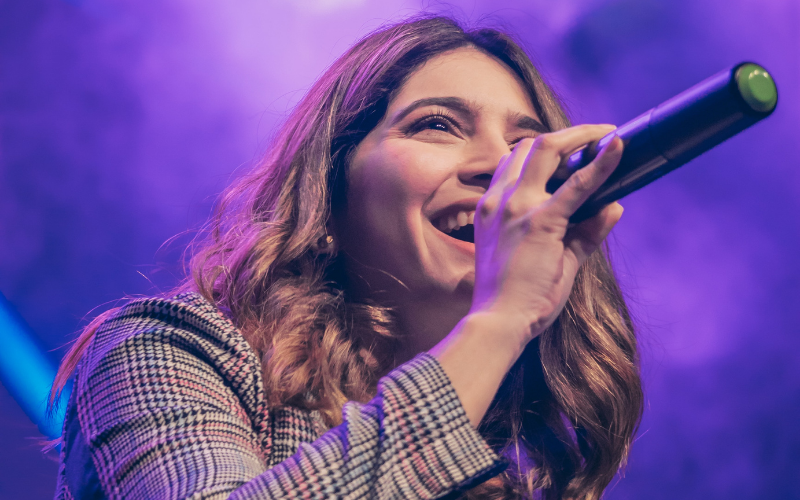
422	323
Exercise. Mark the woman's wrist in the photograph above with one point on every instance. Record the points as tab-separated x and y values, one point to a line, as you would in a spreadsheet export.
513	331
477	354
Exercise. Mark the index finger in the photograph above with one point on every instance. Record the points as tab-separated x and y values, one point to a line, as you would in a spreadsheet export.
576	190
549	149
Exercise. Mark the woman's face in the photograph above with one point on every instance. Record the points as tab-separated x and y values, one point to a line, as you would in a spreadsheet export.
417	177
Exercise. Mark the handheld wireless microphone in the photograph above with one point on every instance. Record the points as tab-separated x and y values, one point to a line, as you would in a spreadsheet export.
676	131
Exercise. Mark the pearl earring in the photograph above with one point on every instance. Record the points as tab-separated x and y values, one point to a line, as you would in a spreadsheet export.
325	244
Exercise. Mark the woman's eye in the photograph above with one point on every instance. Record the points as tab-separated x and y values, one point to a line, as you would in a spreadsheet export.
437	123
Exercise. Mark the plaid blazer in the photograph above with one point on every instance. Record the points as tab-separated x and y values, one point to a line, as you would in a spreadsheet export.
168	402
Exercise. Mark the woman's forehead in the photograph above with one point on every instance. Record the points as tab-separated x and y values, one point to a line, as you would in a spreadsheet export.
469	74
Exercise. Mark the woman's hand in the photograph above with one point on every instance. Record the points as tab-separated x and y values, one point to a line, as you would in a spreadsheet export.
527	256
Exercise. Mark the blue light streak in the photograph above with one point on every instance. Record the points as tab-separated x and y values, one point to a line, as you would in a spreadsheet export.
27	372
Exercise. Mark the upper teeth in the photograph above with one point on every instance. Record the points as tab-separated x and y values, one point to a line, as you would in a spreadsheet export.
457	221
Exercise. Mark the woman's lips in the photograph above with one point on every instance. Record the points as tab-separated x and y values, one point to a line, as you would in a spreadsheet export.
464	241
455	223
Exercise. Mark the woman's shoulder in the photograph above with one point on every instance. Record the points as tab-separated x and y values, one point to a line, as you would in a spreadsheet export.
186	310
188	317
183	338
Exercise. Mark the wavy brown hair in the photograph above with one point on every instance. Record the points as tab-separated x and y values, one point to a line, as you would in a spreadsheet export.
566	413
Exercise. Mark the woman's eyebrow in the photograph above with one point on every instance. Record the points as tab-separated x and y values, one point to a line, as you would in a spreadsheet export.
455	103
528	123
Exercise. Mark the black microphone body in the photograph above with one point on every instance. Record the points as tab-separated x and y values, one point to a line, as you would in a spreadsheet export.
676	131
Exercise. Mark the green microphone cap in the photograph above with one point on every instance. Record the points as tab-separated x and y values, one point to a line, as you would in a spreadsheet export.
757	87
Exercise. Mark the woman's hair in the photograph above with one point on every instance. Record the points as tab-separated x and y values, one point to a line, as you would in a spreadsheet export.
567	412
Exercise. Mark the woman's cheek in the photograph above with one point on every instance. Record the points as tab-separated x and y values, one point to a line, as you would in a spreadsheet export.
419	166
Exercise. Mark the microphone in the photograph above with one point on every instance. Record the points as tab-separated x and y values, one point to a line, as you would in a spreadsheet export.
675	132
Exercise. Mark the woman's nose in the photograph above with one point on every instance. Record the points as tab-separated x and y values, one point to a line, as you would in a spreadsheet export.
482	163
481	177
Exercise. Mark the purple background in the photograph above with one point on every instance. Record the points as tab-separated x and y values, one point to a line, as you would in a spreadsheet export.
120	121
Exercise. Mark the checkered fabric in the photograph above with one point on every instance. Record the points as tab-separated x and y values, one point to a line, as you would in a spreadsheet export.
168	402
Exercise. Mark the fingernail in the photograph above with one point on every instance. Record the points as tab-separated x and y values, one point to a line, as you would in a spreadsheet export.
613	144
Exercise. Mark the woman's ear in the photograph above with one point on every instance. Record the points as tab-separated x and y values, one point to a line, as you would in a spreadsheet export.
325	244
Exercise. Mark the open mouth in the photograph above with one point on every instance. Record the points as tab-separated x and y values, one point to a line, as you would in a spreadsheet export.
457	225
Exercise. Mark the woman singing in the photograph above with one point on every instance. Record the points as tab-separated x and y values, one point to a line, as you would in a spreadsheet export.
389	305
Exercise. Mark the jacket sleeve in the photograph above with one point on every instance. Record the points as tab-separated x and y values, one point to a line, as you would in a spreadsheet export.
160	421
413	440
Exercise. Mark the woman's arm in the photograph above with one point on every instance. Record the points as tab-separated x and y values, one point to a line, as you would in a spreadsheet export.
413	440
166	410
526	257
